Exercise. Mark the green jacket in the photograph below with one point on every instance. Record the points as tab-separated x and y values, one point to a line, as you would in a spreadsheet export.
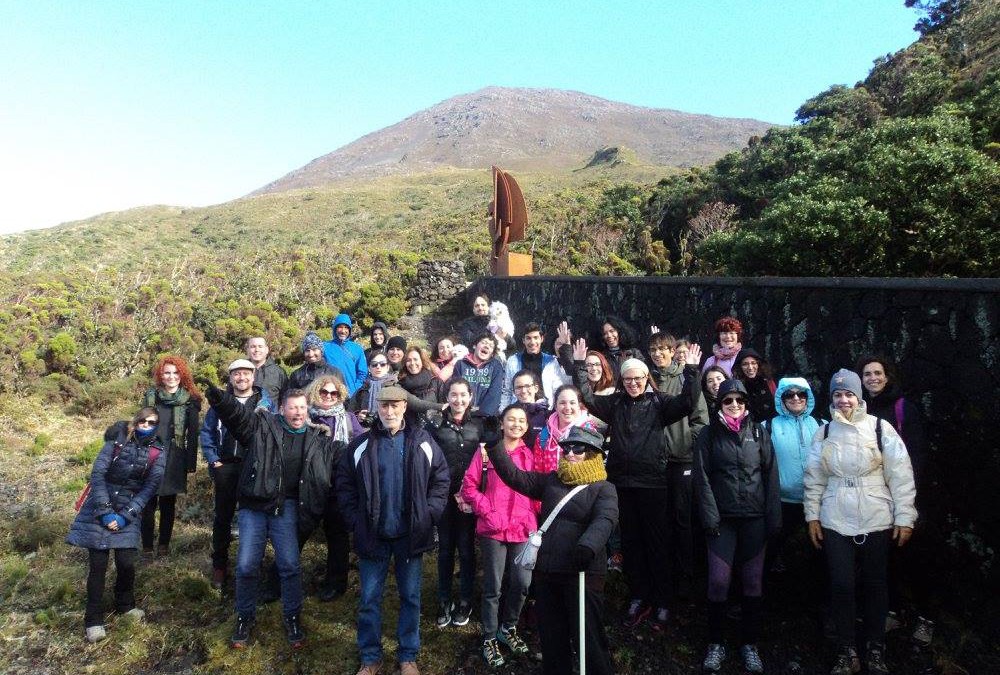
679	437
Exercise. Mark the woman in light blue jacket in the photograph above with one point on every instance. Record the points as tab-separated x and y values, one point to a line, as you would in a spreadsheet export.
791	432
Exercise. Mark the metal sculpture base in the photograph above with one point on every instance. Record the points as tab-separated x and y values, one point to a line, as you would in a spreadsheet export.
514	265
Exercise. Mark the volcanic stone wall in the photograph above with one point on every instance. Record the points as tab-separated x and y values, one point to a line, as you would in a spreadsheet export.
944	334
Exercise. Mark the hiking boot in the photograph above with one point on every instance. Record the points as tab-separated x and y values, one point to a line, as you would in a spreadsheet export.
508	635
660	619
892	622
96	634
370	668
408	668
875	659
293	630
444	614
751	659
491	653
218	578
638	610
714	657
615	562
847	662
135	614
241	633
923	633
460	616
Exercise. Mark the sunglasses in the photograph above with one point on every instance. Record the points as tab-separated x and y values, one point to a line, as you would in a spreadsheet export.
327	392
576	449
729	400
794	394
379	364
148	422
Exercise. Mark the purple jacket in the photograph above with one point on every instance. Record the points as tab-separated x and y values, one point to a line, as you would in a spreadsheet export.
501	513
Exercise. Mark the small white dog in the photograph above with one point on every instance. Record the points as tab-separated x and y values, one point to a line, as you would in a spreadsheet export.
500	321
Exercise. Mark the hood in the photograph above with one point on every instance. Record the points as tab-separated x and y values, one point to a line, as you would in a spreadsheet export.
730	386
786	383
341	319
744	353
377	324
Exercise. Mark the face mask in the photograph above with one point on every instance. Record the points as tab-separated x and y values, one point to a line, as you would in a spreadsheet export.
143	432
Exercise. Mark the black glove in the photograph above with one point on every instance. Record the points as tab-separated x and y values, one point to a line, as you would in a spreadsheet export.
712	532
582	557
491	431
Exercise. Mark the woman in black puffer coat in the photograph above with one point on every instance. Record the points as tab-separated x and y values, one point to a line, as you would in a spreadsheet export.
575	542
126	474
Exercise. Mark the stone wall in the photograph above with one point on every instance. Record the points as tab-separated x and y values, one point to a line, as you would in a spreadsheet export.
945	335
437	282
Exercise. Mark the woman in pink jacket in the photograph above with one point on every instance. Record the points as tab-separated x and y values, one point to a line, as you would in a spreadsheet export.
504	519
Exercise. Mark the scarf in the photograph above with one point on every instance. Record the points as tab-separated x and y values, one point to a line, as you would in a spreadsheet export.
734	423
418	384
549	451
590	470
726	353
375	386
339	416
181	397
288	429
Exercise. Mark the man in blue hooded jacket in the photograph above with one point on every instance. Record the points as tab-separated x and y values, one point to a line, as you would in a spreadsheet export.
344	353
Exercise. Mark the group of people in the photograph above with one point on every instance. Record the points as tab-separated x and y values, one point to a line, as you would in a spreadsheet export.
619	451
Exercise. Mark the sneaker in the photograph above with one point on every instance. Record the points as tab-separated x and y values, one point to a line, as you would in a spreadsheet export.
293	630
892	622
135	614
923	634
96	633
638	610
714	657
660	619
444	614
460	616
615	562
847	662
370	668
751	659
218	578
491	653
508	635
408	668
875	659
241	633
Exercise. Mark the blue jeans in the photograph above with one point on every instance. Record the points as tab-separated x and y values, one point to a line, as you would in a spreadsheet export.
256	527
373	572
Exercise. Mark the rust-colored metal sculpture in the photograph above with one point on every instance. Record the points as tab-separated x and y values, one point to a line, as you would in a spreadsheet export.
508	218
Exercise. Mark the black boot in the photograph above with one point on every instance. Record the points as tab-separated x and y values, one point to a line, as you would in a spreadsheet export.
241	633
293	630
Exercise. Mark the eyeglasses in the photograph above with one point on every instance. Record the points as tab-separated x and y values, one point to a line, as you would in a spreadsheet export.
576	449
148	422
524	387
328	392
729	400
633	380
379	364
794	394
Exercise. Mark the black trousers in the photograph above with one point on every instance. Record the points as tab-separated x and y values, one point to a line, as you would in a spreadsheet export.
125	559
226	480
644	516
847	557
680	538
168	508
557	603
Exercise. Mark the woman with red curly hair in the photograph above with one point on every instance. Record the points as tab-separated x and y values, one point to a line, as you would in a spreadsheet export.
178	403
729	342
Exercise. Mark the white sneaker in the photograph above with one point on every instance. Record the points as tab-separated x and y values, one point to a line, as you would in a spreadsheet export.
135	614
96	633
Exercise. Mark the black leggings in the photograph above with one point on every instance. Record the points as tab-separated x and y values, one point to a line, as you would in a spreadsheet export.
870	554
168	506
741	542
125	559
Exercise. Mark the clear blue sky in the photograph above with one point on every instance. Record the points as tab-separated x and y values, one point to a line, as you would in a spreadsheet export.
108	105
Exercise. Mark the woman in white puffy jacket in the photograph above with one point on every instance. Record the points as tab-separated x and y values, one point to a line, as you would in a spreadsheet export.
859	499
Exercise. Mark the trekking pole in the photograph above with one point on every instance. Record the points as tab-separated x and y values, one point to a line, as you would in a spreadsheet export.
581	645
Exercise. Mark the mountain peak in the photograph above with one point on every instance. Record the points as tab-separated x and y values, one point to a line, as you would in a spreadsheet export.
525	129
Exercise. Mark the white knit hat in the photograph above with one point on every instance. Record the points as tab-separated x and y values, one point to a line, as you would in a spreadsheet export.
635	364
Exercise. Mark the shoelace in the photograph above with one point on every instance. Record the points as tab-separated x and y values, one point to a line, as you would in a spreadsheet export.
751	659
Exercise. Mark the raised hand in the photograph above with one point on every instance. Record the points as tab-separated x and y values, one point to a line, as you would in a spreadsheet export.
580	350
654	329
693	355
